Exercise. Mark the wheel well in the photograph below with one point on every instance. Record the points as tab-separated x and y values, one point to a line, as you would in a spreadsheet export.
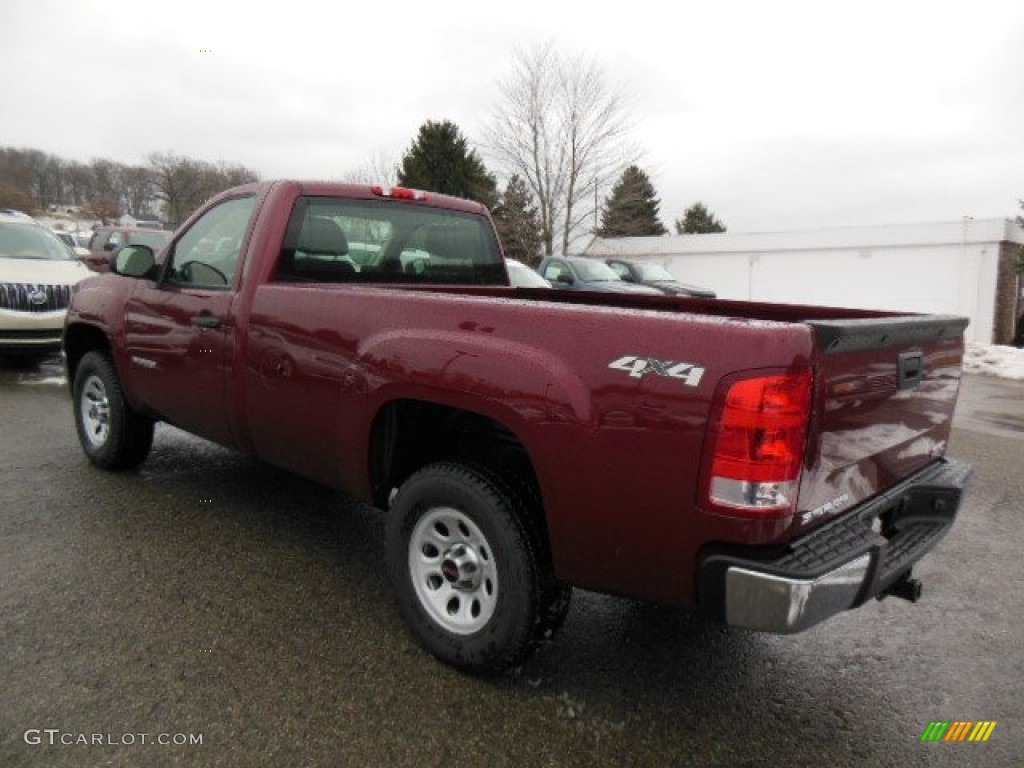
409	434
80	339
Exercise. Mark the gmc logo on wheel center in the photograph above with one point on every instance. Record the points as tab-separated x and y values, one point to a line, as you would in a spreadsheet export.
638	367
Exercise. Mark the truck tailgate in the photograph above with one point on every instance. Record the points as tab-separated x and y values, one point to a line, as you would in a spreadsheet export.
885	394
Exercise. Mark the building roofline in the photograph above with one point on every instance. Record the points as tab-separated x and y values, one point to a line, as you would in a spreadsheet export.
966	231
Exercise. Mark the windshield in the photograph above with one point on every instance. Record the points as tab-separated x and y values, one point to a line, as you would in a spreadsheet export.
522	276
31	241
594	271
653	273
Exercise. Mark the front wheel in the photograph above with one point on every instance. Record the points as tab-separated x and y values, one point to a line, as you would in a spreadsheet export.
465	568
112	435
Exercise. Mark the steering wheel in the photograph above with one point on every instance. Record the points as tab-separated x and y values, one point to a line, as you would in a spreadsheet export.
188	269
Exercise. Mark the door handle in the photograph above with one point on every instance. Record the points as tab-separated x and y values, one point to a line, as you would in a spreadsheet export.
205	320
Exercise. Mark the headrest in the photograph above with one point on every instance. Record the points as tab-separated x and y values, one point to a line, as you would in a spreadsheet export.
322	236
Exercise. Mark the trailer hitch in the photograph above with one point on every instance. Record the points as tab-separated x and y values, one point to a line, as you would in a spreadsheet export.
904	587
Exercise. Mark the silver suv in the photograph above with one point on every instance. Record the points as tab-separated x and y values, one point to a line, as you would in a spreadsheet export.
37	275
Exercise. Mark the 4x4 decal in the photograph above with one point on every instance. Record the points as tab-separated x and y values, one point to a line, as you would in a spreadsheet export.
638	367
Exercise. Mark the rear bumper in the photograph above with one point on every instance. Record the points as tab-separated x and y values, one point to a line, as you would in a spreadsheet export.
838	566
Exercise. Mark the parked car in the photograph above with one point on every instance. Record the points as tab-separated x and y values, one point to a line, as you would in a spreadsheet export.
107	240
656	276
16	214
69	240
521	276
577	273
37	274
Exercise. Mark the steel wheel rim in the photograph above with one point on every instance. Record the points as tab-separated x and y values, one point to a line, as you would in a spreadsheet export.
94	409
453	570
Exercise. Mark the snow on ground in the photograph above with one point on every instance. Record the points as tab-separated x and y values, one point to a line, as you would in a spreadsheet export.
1004	362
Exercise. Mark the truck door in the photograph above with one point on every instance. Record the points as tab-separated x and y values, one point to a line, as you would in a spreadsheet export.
179	338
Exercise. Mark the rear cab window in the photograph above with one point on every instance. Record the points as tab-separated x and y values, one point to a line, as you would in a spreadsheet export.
368	241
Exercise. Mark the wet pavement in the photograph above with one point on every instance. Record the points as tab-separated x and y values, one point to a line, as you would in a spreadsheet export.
208	595
992	406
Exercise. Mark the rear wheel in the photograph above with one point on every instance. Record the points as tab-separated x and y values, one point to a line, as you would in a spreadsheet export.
112	435
467	570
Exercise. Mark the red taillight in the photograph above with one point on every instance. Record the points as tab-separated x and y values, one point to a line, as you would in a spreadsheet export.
759	445
398	193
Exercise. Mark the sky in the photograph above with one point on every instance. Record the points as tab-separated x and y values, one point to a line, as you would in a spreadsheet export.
778	116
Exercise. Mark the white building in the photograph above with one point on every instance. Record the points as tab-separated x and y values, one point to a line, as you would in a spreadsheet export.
966	267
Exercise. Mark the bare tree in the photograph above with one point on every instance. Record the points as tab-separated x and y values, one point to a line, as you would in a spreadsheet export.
137	187
16	179
228	176
378	168
80	183
183	184
562	129
107	201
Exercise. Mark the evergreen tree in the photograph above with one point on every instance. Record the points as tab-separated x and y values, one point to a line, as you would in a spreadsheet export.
698	220
440	160
632	207
518	223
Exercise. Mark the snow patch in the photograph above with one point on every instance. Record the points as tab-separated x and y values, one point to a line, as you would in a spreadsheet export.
994	360
51	380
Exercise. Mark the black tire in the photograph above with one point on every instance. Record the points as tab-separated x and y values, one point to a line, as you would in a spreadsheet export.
467	571
555	597
112	435
556	600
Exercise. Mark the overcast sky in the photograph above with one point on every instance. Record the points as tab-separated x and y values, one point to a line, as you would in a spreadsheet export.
778	115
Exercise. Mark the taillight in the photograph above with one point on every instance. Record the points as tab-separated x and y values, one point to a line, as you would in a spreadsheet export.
759	445
398	193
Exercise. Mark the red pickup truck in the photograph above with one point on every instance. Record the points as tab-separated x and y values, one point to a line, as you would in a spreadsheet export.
766	465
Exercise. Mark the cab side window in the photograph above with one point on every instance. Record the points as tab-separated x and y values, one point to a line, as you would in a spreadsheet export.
207	254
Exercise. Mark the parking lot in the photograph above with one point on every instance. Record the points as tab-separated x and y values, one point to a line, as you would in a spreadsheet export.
238	616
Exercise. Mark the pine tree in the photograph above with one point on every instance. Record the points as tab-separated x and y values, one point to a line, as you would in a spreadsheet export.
698	220
632	207
518	223
440	160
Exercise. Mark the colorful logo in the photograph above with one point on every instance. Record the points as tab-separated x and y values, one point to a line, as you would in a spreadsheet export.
958	730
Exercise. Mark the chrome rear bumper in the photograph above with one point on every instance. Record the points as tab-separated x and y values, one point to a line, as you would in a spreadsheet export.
860	555
786	605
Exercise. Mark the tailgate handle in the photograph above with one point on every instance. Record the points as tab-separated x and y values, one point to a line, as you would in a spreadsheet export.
911	370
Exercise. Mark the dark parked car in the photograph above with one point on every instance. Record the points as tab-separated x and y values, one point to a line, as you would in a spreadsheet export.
656	276
106	240
577	273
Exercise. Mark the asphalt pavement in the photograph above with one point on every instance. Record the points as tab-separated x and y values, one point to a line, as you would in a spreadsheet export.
207	610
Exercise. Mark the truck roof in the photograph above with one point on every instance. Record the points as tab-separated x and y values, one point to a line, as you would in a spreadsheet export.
365	192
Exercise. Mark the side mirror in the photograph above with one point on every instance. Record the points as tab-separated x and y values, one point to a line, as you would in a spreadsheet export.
133	261
565	278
